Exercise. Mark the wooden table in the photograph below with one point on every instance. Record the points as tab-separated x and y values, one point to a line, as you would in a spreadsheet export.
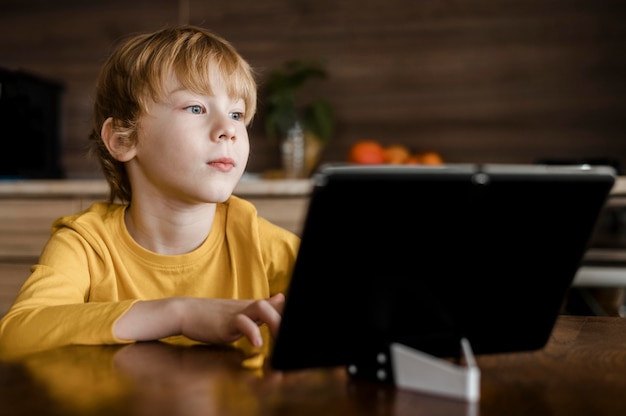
582	371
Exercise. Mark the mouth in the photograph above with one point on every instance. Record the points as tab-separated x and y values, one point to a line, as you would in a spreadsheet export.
223	164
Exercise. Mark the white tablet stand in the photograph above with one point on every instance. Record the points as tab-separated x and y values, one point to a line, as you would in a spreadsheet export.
411	369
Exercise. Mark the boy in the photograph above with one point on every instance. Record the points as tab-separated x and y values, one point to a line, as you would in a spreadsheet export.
172	253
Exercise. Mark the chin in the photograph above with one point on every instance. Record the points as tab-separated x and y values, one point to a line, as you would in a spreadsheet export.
218	193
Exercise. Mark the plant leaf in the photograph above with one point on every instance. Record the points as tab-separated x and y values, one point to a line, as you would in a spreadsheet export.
319	119
282	108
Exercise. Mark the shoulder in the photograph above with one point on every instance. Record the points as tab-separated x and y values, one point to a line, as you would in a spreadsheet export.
239	205
99	214
93	230
242	216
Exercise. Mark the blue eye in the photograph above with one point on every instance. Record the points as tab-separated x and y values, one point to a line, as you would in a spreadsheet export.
195	109
237	115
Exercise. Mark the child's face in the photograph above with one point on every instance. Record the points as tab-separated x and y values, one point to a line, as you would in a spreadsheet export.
192	148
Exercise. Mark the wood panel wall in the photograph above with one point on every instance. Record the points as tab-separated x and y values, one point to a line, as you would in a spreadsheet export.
480	81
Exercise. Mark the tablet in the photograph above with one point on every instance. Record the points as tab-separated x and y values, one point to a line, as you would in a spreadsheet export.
427	255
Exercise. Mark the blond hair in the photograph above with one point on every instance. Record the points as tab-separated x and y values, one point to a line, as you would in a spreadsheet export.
136	72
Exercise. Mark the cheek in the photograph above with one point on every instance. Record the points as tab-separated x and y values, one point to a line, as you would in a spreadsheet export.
160	135
243	144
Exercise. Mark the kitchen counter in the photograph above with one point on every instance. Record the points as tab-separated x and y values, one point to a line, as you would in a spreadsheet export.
247	187
96	188
28	207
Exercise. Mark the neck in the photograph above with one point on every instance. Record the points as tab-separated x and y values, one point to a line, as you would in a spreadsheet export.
169	230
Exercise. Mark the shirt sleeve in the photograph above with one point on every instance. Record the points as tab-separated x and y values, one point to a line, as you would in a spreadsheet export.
52	308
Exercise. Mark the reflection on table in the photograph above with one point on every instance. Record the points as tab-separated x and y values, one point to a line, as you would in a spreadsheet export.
582	371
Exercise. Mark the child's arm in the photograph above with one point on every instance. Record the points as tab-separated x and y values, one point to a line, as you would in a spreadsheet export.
213	321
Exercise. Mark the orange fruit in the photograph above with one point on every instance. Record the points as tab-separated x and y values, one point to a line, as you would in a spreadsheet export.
396	154
366	152
431	158
414	159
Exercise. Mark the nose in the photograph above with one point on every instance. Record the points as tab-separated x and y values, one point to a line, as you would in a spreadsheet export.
225	129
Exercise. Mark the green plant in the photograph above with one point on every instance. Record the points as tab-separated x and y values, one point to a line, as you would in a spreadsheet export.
282	107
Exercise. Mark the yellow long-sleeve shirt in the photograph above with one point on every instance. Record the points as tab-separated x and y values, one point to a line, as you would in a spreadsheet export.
91	271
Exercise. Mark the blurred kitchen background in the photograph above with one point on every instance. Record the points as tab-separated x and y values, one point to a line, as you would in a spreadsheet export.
507	81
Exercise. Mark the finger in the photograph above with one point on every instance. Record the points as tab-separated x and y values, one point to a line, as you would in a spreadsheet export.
278	302
249	328
262	312
270	312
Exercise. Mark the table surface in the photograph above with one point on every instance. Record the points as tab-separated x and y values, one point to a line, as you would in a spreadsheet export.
582	371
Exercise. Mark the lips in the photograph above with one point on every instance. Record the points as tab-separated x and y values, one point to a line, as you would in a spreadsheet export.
223	164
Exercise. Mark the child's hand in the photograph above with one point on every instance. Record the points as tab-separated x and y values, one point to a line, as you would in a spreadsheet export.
237	318
213	321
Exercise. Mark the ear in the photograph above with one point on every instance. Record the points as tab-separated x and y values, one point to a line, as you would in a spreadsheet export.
119	146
